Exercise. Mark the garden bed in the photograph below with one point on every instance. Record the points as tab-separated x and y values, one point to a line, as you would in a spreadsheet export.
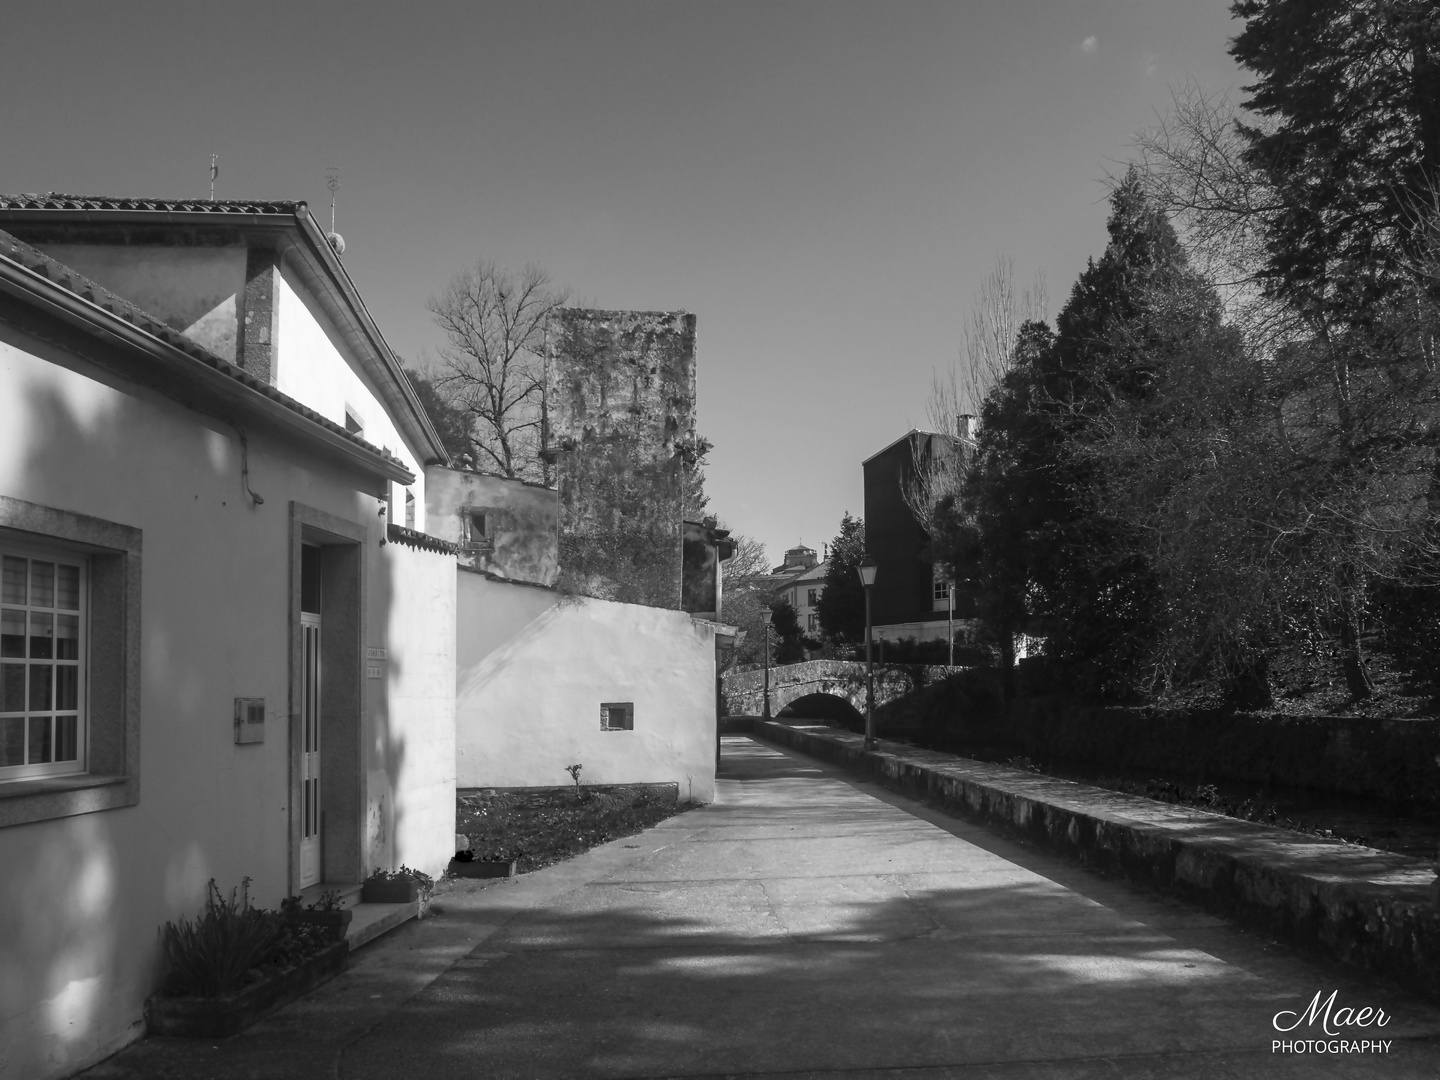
218	1017
537	827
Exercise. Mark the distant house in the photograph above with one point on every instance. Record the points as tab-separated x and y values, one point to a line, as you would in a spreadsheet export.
223	654
802	592
911	598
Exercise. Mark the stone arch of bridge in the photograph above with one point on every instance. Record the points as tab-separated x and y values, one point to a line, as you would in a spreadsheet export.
823	706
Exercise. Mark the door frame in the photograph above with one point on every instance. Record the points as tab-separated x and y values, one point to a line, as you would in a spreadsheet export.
342	700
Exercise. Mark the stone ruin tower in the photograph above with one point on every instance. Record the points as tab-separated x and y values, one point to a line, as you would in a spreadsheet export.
620	431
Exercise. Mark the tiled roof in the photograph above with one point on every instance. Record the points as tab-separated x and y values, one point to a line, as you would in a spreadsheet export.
37	262
54	200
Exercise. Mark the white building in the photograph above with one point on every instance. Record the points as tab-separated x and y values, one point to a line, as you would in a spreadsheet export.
214	665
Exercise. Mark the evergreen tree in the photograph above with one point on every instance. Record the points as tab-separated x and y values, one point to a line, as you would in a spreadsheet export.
785	626
1350	94
1064	566
842	605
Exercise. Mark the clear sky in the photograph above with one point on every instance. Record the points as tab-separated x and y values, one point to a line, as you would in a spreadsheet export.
823	184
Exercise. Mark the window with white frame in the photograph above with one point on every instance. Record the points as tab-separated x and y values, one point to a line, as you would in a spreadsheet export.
42	661
939	588
811	599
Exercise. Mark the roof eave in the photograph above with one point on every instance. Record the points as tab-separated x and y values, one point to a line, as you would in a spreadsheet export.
216	387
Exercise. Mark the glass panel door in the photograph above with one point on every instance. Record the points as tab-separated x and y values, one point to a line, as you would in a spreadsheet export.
310	750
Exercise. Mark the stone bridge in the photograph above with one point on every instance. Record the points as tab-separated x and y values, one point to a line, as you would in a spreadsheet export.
825	689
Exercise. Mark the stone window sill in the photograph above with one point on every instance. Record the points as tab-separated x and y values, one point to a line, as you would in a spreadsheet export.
46	797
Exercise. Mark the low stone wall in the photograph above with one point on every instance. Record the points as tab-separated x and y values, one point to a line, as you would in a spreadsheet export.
1386	759
1364	907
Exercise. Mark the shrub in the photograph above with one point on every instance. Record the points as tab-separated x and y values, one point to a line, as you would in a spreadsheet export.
212	956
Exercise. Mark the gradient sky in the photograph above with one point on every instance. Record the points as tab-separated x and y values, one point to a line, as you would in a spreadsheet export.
823	184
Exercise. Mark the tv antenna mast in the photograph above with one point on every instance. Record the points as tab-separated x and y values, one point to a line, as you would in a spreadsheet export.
214	172
332	181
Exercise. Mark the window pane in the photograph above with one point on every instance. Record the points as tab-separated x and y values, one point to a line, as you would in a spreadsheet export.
39	740
42	583
12	687
67	745
12	632
12	741
67	587
12	591
40	688
67	686
67	637
42	635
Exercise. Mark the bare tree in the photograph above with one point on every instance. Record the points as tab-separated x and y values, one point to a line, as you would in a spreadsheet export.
999	309
992	330
493	362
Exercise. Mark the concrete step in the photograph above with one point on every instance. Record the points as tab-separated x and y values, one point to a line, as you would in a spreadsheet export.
372	920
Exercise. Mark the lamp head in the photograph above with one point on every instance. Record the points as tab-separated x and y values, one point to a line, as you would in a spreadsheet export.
867	570
766	615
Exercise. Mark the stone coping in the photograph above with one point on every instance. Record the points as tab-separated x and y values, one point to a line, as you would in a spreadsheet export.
1364	907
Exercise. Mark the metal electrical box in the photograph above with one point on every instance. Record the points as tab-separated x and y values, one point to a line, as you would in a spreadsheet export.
249	720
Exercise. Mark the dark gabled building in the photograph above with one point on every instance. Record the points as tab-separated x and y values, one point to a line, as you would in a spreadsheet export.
910	600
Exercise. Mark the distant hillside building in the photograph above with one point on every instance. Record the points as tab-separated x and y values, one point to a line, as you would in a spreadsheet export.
800	582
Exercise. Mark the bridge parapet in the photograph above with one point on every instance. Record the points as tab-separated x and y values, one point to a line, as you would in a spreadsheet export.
744	691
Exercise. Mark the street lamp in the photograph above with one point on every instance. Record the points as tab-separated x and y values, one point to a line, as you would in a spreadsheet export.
867	570
765	615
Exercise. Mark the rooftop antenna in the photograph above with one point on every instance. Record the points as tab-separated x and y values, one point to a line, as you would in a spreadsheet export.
214	172
332	181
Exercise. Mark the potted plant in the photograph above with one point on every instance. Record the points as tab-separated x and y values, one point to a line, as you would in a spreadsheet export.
402	886
325	913
465	864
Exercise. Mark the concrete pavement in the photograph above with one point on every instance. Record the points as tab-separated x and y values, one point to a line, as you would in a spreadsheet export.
809	925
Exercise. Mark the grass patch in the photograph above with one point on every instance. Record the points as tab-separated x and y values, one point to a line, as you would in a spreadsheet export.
541	826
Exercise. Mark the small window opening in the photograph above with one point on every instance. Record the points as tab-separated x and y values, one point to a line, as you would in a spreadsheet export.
617	716
477	527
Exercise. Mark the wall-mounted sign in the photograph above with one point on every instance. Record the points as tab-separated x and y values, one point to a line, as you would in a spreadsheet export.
374	671
374	654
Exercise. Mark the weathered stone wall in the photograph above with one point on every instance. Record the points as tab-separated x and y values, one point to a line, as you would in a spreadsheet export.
620	403
521	522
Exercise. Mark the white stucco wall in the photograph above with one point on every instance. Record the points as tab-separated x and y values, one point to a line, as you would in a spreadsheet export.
82	898
314	370
412	753
532	671
193	289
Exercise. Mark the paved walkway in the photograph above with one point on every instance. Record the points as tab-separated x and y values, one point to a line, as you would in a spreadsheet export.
807	925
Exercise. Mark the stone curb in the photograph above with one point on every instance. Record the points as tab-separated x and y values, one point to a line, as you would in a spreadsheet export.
1367	908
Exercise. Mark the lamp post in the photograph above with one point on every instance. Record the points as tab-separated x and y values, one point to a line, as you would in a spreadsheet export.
765	614
867	570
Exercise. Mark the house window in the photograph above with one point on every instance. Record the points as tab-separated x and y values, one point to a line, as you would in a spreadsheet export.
69	720
42	662
939	584
617	716
812	601
813	623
